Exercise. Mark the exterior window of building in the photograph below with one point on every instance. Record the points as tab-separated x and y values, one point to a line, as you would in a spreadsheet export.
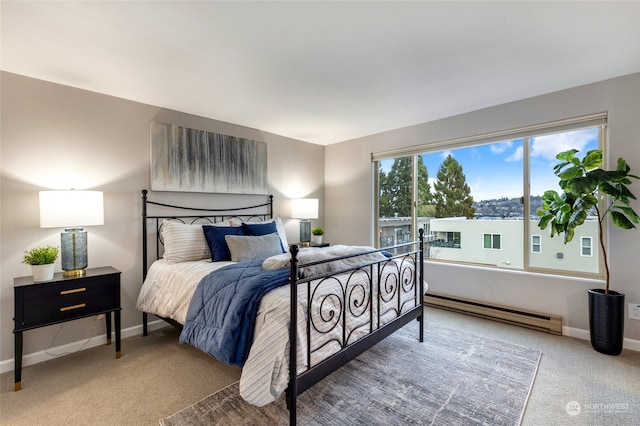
585	246
492	241
453	239
536	244
488	188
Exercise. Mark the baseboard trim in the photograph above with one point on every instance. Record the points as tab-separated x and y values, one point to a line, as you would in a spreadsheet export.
41	356
524	318
578	333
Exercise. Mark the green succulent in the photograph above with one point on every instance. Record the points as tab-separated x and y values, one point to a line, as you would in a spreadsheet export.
40	255
317	231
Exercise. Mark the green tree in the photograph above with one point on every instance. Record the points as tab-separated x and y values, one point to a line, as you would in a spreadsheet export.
452	194
395	187
384	206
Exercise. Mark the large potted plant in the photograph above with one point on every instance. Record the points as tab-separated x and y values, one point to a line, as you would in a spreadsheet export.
41	259
582	182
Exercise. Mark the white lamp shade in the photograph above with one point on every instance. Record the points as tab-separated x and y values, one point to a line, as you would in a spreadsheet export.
59	209
304	208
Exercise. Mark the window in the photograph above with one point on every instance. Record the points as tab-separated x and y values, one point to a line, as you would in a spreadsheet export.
453	239
492	241
492	184
585	246
536	244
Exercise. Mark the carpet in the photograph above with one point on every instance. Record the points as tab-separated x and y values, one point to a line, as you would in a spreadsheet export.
453	378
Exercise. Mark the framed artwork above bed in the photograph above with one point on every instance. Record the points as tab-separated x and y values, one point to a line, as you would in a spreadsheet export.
190	160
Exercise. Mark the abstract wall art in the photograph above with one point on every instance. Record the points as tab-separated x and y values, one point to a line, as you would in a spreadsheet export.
189	160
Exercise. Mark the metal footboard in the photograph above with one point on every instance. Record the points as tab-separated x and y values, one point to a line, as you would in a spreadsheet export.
353	309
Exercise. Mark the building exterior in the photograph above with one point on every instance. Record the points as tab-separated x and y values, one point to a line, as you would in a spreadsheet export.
499	243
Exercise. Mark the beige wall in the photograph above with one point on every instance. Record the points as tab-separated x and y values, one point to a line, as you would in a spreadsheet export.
348	188
59	137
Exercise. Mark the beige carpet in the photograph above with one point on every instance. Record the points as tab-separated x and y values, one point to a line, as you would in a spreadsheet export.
453	378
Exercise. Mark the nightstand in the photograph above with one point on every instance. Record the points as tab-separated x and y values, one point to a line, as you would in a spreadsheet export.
38	304
313	245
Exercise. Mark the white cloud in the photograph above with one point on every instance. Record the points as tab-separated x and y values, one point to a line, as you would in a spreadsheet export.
499	148
432	183
546	147
516	156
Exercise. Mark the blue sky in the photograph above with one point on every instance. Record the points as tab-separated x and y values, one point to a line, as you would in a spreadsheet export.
495	170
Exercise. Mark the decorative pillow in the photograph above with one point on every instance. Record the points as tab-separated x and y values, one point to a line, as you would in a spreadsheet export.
183	242
266	227
214	236
253	247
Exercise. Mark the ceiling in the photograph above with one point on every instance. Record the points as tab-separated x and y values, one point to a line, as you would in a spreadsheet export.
321	72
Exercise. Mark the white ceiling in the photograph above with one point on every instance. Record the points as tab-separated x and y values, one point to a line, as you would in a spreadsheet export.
321	72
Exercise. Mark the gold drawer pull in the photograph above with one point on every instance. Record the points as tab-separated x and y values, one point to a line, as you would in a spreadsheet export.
68	308
75	290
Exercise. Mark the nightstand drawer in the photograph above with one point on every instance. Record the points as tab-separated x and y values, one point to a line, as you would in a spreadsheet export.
61	301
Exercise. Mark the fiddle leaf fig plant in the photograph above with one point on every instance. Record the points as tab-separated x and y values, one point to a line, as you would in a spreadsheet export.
582	182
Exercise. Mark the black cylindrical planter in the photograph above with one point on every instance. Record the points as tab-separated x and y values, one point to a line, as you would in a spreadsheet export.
606	321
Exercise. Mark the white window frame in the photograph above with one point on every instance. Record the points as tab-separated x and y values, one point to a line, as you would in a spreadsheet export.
582	246
538	244
525	133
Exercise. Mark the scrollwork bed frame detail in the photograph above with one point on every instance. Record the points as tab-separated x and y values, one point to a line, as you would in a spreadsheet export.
353	298
411	253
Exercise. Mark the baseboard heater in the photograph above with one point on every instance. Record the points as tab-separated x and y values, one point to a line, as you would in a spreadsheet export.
534	320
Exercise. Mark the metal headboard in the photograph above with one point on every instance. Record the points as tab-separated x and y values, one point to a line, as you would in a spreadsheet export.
187	214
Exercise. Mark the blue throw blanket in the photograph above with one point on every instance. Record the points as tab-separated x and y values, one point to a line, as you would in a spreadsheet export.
221	317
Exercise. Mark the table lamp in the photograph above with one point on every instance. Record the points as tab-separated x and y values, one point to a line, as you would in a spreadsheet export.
72	210
304	209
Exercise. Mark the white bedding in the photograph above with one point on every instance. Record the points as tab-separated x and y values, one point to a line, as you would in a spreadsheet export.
168	289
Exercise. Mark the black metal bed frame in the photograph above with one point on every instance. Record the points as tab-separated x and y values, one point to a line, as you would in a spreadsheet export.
357	302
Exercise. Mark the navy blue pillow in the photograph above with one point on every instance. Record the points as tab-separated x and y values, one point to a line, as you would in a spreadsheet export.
215	239
263	228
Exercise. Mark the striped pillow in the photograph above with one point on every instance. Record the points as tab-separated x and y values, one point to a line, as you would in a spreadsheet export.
185	242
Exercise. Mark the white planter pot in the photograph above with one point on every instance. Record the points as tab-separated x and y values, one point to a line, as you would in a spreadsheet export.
42	272
316	239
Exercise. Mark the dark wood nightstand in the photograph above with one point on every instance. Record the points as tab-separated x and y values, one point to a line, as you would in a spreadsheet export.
65	299
313	245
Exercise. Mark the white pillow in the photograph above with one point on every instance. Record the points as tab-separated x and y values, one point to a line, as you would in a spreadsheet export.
184	242
279	227
248	247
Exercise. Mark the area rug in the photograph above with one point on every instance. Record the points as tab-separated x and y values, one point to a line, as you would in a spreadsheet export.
453	378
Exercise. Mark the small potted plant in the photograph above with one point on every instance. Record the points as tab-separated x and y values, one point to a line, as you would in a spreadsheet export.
316	235
41	259
582	182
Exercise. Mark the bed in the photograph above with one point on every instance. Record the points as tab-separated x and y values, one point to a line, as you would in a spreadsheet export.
333	303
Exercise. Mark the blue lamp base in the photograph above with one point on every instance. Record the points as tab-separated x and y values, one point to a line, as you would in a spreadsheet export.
73	252
305	231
